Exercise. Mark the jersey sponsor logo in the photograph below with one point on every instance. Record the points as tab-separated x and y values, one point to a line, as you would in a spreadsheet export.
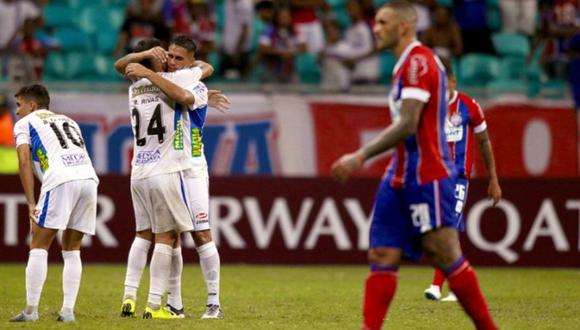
453	129
417	68
147	157
42	159
178	137
196	144
75	159
147	89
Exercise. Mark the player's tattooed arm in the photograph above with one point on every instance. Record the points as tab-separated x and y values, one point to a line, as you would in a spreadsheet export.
153	53
396	132
170	89
26	176
493	190
206	69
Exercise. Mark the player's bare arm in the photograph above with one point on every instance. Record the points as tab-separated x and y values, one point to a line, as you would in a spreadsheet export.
406	125
218	100
154	53
493	190
170	89
206	68
26	177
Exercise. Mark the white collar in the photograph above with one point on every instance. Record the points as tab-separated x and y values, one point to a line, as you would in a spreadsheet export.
405	54
453	97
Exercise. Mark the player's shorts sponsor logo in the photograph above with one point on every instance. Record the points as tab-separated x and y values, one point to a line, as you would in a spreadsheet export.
201	216
75	159
147	157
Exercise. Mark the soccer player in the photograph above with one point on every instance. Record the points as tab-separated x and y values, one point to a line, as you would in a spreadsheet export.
51	146
465	119
414	206
209	258
160	157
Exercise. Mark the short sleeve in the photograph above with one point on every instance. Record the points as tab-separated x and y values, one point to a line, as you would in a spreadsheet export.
415	78
183	78
21	133
477	120
199	92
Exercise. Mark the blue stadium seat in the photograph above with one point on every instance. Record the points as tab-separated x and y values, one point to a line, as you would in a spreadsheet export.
338	4
492	4
55	67
97	18
59	16
72	39
511	44
513	67
445	3
387	63
493	17
106	41
506	86
308	68
478	69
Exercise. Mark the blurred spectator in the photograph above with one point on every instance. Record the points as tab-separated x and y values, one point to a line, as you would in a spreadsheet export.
278	46
472	20
198	23
335	74
423	9
306	23
265	11
31	50
144	20
13	14
574	76
8	156
237	38
519	16
369	11
364	60
444	35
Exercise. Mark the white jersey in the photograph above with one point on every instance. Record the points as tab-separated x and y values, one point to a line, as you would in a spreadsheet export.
57	147
157	123
193	122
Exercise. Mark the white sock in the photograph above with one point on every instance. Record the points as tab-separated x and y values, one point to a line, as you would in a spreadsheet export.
159	274
71	279
35	276
174	285
209	261
135	266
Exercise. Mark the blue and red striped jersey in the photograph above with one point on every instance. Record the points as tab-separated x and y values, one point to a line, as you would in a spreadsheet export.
424	156
465	118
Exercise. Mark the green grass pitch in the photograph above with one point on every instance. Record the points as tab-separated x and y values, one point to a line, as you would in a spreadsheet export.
319	297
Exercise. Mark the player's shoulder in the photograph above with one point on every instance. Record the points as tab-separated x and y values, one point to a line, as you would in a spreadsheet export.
421	58
469	101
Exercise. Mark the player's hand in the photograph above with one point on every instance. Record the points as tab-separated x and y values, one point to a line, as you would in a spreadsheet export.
32	216
218	100
157	53
494	191
345	165
136	71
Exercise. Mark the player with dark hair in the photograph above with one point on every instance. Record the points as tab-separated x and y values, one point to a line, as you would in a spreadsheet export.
465	119
51	146
414	205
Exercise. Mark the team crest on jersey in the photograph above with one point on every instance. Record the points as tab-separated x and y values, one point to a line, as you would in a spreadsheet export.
454	129
417	68
455	120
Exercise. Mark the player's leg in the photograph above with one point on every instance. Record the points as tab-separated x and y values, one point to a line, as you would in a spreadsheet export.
209	258
36	270
137	259
43	229
174	300
442	246
71	273
159	272
386	241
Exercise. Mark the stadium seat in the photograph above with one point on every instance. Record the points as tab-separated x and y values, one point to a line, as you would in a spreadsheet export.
72	39
492	4
379	3
511	44
387	63
506	86
106	41
337	4
96	19
59	16
55	67
307	68
513	67
478	69
493	17
445	3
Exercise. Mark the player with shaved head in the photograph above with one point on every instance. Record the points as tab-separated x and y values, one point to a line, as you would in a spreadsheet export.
414	205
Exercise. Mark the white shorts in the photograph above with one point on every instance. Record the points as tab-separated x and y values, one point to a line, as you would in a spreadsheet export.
198	193
160	204
71	205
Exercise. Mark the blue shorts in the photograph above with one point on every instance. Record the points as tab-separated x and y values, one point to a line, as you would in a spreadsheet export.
461	190
401	216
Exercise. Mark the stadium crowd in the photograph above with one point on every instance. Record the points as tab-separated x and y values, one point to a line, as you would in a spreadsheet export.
519	45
